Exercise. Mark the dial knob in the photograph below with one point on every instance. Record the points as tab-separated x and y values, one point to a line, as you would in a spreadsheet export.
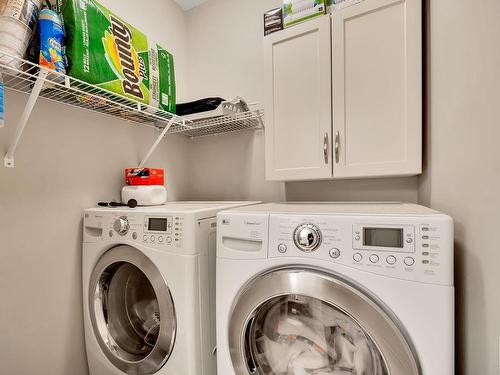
307	237
121	226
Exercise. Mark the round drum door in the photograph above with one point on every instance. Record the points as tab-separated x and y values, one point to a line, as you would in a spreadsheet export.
132	311
302	321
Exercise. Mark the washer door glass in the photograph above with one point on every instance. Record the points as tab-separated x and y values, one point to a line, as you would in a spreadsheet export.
132	311
303	335
291	321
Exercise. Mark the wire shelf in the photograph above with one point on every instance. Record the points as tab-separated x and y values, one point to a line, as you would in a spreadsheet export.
20	75
38	82
250	120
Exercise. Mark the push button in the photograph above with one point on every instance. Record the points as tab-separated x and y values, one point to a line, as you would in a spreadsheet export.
160	239
409	261
334	253
357	257
145	238
409	240
374	258
152	238
391	259
282	248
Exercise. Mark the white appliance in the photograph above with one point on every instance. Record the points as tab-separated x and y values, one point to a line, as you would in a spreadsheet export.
323	288
145	195
149	288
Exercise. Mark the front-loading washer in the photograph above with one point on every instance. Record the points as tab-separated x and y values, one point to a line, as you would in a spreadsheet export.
149	288
323	288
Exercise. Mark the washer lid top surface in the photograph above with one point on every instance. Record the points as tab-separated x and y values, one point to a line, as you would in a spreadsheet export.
179	207
340	208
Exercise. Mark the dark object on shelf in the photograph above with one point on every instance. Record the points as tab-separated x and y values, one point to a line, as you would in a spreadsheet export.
202	105
131	204
273	21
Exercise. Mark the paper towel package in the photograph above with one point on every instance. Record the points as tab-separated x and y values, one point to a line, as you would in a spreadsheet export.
295	11
106	51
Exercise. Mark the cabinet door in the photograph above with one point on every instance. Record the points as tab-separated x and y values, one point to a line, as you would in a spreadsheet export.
377	89
298	102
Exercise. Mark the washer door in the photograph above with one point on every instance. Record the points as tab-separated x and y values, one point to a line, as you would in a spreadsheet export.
303	321
132	311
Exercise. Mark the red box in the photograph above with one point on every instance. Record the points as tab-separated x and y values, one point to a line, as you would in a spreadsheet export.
144	176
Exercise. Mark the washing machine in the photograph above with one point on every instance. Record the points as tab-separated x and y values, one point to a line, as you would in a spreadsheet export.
149	288
323	288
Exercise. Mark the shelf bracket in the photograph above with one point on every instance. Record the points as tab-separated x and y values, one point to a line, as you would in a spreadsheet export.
16	137
158	140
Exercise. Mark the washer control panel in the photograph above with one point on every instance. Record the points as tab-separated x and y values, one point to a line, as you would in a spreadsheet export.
159	231
416	247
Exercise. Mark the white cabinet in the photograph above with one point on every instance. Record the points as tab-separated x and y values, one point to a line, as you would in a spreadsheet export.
372	125
377	88
298	102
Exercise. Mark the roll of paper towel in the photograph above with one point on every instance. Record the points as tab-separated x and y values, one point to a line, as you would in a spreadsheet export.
18	20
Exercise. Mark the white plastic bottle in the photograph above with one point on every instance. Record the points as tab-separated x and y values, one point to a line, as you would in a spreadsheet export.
17	21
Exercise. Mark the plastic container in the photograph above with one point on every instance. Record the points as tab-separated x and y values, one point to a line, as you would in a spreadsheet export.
51	40
17	22
152	195
144	176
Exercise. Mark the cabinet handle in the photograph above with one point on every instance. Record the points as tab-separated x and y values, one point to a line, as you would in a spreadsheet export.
325	148
337	146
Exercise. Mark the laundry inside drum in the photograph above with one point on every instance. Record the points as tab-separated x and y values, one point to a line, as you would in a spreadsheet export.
299	335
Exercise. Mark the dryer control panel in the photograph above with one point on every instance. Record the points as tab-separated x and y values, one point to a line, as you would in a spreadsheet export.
416	248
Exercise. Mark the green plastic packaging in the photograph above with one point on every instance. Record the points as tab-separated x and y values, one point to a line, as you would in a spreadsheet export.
106	51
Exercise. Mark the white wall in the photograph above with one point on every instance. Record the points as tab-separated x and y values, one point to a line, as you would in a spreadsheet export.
381	189
462	174
225	54
67	161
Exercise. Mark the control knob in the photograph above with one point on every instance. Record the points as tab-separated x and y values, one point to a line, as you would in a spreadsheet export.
121	226
307	237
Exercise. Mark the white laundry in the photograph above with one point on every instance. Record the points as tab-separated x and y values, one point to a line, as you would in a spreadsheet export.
314	338
299	342
307	361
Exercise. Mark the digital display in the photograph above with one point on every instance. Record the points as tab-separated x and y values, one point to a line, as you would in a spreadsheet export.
157	224
383	237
